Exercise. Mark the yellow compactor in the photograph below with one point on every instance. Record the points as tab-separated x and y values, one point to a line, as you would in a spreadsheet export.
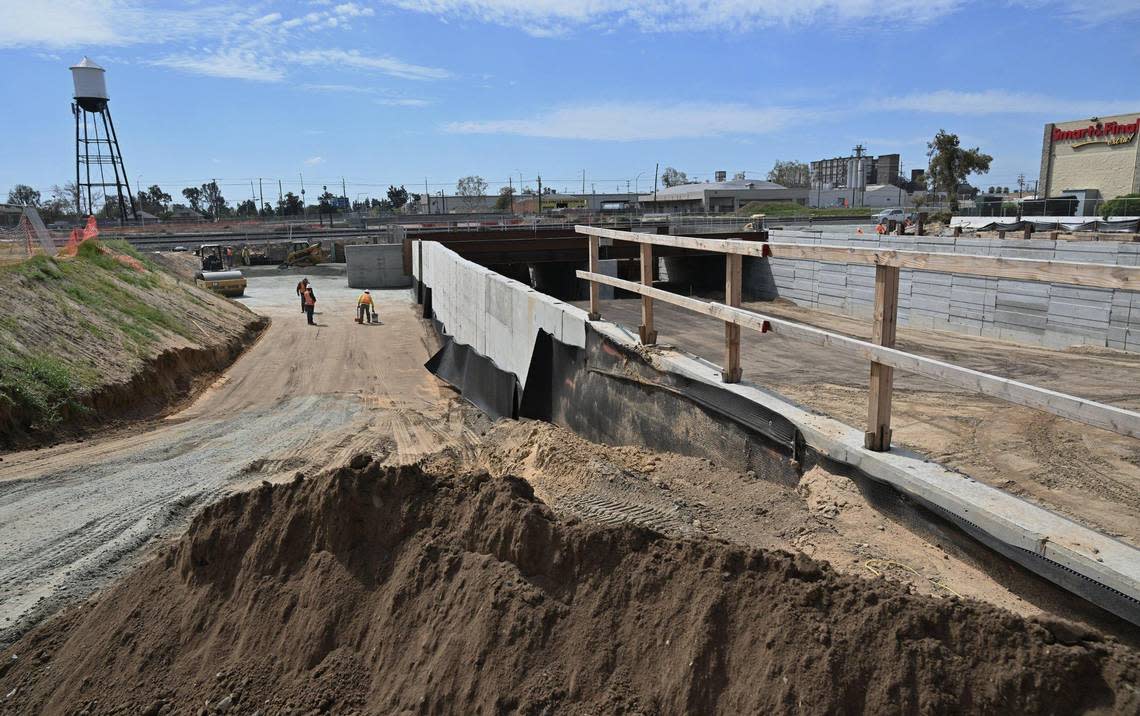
227	283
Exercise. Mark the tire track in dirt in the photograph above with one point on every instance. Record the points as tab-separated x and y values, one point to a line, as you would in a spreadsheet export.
75	516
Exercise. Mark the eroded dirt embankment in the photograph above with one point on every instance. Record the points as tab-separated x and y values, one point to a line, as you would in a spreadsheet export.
106	336
376	589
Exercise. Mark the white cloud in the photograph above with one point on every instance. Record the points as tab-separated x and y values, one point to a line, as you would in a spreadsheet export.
403	102
100	23
266	19
351	9
229	63
313	161
352	58
1001	102
617	121
336	88
548	17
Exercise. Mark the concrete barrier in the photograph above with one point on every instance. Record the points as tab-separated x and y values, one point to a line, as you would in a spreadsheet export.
1052	315
375	266
497	316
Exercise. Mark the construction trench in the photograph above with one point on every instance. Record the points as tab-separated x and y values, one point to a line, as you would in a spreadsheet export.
640	540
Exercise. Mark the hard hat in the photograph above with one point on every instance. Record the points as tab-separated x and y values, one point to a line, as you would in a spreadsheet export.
366	291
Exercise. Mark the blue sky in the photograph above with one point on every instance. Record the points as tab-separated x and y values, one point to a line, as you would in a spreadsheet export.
397	91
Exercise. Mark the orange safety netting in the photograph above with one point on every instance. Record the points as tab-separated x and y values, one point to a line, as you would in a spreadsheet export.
90	231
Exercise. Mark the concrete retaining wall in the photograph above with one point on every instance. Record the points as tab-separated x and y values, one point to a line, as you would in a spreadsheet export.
375	266
495	315
500	318
1053	315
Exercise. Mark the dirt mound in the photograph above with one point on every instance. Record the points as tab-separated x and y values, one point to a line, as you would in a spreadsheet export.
390	590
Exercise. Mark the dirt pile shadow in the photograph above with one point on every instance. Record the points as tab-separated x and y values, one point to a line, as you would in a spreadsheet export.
392	590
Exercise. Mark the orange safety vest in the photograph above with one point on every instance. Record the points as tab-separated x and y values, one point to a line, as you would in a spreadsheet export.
309	300
364	300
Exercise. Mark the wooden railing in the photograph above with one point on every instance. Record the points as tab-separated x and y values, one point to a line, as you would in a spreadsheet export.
880	350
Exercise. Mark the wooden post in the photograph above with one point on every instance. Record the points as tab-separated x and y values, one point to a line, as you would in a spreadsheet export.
1027	231
1001	234
900	230
921	224
595	289
733	277
957	231
878	435
647	333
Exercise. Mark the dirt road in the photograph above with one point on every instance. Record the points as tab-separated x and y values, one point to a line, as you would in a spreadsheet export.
75	515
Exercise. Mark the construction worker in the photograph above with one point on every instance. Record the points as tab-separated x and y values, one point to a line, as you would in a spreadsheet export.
229	257
310	301
364	307
301	292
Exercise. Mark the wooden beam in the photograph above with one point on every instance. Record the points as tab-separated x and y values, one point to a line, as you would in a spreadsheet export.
733	278
595	302
647	333
878	435
1089	412
1067	272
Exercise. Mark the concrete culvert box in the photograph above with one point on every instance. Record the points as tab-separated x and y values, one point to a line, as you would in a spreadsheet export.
375	266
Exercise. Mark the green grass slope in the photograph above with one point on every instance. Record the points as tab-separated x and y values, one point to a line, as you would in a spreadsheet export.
103	335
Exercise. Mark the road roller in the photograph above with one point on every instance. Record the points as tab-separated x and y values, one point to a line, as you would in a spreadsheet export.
227	283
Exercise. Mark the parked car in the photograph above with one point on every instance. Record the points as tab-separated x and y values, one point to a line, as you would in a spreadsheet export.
890	215
179	249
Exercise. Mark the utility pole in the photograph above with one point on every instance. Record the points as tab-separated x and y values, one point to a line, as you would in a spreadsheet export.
540	195
583	181
857	175
280	199
261	194
304	209
656	167
343	191
511	184
1020	185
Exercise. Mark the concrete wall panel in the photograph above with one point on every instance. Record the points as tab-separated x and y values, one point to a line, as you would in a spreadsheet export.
1055	315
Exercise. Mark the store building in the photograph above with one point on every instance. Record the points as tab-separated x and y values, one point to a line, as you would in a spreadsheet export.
1093	159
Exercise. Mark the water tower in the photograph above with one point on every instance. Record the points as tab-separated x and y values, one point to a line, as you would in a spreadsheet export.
99	170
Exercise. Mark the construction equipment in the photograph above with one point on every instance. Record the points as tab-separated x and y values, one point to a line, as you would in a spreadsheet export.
303	254
227	283
213	257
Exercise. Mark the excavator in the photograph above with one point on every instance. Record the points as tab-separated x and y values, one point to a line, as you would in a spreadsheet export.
303	254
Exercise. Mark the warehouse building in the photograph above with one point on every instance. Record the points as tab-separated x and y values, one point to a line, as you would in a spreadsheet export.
719	196
1092	160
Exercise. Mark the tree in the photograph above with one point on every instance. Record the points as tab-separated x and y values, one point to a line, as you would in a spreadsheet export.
24	195
1124	205
674	177
289	205
193	195
990	190
154	200
950	165
60	204
471	190
326	202
247	208
791	174
266	210
214	201
398	197
506	199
